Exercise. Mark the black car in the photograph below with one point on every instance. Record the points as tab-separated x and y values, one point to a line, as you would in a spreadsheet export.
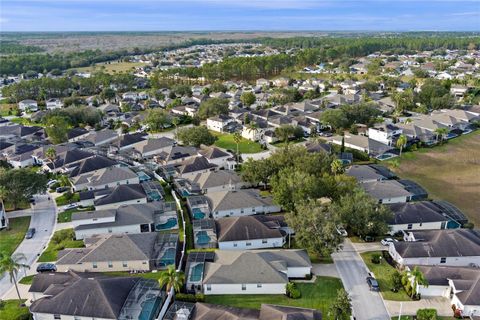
46	267
30	233
61	189
373	284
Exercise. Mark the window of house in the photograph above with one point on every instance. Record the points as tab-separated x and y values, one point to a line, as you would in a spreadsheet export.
110	264
57	316
109	230
443	260
253	209
234	244
249	244
124	264
259	285
264	241
244	287
421	224
94	265
409	226
209	287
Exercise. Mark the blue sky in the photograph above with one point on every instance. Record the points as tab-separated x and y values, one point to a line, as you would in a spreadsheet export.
265	15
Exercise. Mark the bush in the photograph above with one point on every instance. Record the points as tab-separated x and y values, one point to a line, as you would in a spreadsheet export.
468	225
427	314
376	258
61	235
396	279
292	291
199	297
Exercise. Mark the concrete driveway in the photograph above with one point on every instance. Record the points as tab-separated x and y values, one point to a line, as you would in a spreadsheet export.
367	305
368	246
442	305
43	220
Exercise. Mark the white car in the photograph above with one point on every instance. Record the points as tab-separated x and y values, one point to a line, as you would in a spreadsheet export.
387	241
49	183
341	231
70	206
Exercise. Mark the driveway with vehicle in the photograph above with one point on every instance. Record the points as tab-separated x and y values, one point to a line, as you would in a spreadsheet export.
367	304
43	219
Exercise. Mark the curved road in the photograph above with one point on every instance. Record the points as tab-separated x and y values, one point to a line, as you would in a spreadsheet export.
43	219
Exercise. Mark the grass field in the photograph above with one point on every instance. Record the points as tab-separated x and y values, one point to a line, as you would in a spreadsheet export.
66	216
318	295
383	271
50	254
226	141
12	310
10	239
113	67
450	172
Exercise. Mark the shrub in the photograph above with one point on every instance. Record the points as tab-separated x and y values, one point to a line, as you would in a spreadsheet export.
61	235
185	297
200	297
292	291
2	304
427	314
469	225
376	258
396	279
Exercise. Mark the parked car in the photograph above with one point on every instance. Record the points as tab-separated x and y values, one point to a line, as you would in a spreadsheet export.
341	231
387	241
369	239
46	267
50	182
61	189
373	284
70	206
31	200
30	233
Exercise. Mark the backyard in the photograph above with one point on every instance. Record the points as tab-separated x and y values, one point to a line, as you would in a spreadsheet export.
318	295
383	273
450	172
10	309
225	141
61	239
11	238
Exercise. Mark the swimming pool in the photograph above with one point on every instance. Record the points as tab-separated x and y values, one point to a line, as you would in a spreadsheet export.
168	257
196	273
149	308
143	176
386	156
203	238
171	222
198	214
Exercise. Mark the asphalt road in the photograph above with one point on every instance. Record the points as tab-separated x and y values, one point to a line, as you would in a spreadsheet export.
43	220
367	305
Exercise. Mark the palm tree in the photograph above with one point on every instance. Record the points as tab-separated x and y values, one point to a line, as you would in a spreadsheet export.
175	122
413	279
237	138
401	142
172	279
3	196
11	264
51	155
441	132
336	167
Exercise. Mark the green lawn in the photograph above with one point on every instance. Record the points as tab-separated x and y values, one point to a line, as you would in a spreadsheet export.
281	144
50	254
146	275
27	279
11	238
66	216
64	200
318	295
11	310
383	272
449	172
225	141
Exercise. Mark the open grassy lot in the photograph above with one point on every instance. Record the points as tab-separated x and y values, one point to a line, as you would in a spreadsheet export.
113	67
226	141
11	310
450	172
318	295
383	272
11	238
61	239
66	216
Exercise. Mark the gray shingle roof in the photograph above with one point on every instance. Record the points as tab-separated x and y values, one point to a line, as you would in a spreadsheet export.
236	199
121	193
245	228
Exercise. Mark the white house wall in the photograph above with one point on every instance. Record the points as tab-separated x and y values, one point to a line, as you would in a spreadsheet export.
266	288
86	233
254	244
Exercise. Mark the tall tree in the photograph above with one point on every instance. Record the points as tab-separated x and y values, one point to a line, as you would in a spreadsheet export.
11	264
441	133
337	166
3	196
157	119
341	307
51	155
412	279
248	98
171	279
22	184
401	142
237	138
213	107
195	136
315	227
57	129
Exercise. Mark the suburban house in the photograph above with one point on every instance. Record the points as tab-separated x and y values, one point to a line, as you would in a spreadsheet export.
203	311
394	191
242	202
251	232
192	166
386	134
98	297
54	103
150	147
213	181
137	218
77	134
104	178
102	137
369	173
89	164
174	155
28	105
231	272
121	252
425	215
124	194
457	247
460	285
360	143
219	123
218	157
204	233
199	207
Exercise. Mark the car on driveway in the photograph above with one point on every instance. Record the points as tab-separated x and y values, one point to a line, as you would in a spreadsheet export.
373	284
30	233
70	206
46	267
387	241
61	189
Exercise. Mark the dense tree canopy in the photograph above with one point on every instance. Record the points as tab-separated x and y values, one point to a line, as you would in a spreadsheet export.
213	107
21	184
195	136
